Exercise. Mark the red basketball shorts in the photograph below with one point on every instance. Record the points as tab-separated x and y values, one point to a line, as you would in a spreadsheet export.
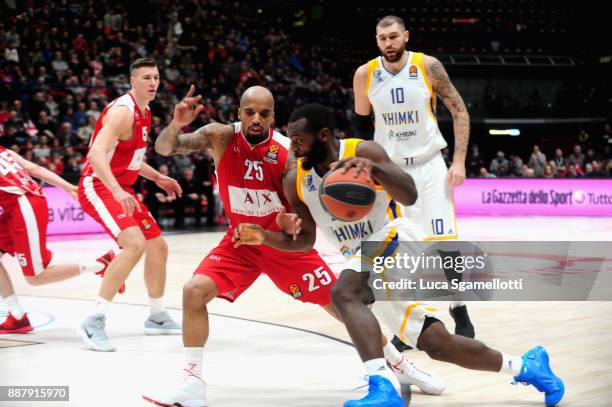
304	276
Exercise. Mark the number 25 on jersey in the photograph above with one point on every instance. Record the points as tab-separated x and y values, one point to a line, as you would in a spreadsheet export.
253	168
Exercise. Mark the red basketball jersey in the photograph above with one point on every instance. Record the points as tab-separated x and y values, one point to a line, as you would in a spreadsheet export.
250	179
14	179
126	158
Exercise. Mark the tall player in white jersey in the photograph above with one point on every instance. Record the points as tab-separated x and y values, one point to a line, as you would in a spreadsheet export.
400	88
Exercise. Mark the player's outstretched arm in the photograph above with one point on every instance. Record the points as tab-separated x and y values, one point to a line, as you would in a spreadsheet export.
44	174
171	142
442	85
373	159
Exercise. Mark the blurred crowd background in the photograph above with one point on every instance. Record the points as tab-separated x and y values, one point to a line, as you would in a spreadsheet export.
517	64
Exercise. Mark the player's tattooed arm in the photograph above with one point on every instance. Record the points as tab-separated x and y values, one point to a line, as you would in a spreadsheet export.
451	98
172	142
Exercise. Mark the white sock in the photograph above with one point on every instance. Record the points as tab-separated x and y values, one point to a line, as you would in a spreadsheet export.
101	306
392	355
14	307
193	360
511	364
378	367
156	305
90	267
456	304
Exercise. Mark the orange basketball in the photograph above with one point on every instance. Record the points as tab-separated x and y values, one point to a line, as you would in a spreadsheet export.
345	196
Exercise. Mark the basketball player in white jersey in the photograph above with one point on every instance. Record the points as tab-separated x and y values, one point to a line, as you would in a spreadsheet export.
311	130
400	88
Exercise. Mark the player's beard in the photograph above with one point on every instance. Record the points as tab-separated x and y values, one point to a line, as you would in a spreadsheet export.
254	139
398	55
315	156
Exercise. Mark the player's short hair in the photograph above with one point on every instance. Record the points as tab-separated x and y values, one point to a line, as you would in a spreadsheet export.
390	20
142	63
317	117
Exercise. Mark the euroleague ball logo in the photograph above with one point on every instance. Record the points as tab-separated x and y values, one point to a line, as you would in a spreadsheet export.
579	198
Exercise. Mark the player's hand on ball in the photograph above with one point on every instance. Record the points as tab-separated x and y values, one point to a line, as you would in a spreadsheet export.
360	164
187	109
248	234
456	175
290	223
172	188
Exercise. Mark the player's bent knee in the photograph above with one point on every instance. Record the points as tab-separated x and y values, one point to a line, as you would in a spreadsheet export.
34	280
344	292
198	292
157	248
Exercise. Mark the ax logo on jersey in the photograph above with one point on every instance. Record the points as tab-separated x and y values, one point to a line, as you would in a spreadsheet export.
254	202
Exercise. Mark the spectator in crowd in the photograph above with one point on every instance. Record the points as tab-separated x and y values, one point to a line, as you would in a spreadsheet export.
474	162
205	171
156	198
499	165
572	172
191	198
516	165
42	149
549	172
485	174
577	158
537	160
560	161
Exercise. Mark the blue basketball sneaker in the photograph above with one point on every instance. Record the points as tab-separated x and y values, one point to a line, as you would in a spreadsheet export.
536	371
381	393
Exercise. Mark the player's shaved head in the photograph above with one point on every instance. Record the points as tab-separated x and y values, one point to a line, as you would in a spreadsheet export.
257	94
256	113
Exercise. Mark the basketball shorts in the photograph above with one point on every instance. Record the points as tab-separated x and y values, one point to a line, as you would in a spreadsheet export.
434	210
23	232
404	318
98	202
303	276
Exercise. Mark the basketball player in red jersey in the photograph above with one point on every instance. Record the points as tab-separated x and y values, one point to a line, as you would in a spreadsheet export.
114	162
23	233
251	160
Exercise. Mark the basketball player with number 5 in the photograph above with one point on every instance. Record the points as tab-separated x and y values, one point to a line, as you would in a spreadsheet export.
114	161
400	87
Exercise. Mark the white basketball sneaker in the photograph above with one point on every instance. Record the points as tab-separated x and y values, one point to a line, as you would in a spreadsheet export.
408	373
192	393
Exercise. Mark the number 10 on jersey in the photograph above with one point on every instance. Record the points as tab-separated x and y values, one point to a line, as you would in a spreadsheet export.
397	95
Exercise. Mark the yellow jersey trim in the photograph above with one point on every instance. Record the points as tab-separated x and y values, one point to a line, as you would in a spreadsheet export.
417	59
299	179
372	65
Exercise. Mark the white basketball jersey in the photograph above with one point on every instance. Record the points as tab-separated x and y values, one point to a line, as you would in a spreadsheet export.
404	107
346	236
